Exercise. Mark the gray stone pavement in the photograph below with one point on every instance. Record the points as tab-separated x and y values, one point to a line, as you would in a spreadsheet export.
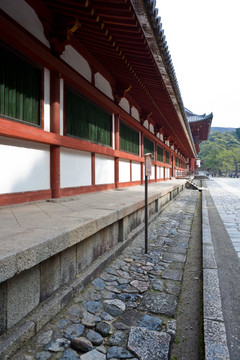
226	196
221	239
128	312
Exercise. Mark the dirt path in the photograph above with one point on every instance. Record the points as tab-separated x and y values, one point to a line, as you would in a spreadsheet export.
188	343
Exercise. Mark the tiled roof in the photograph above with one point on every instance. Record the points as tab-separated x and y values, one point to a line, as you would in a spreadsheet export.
194	117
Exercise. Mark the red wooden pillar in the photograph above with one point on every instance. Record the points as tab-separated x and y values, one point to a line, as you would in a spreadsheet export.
55	127
142	155
117	147
155	158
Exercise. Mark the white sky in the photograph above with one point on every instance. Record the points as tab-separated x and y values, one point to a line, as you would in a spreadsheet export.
203	38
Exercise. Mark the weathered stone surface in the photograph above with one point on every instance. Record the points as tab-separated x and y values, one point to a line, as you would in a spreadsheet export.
118	339
92	306
69	355
93	355
123	281
73	312
58	345
159	303
114	307
173	287
129	297
107	317
23	295
142	286
212	297
149	345
103	328
172	327
216	347
172	274
89	319
117	352
151	323
49	284
68	265
174	257
113	289
43	355
99	284
81	344
157	285
75	330
44	338
123	274
109	277
94	337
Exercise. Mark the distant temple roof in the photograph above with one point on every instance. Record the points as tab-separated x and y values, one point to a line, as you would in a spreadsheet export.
194	117
200	126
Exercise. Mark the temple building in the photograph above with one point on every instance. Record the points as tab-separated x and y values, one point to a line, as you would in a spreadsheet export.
86	89
200	126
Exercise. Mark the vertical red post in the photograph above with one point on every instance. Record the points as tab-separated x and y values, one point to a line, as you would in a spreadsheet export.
55	127
117	147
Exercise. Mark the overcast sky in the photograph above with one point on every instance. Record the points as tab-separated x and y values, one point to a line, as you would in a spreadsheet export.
203	37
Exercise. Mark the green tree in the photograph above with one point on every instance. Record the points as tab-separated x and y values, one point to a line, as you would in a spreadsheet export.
221	153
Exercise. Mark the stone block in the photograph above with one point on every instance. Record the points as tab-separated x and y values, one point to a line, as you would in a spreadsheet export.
68	265
23	295
85	253
147	344
209	261
211	294
174	257
7	267
49	284
3	307
13	341
215	341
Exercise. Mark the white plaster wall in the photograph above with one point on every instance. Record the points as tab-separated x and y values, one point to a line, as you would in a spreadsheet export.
151	128
24	166
75	168
125	105
145	124
136	171
46	100
103	85
160	172
152	177
135	113
23	14
104	170
167	172
77	62
124	171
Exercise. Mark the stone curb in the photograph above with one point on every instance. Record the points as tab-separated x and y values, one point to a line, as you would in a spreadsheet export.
215	339
34	322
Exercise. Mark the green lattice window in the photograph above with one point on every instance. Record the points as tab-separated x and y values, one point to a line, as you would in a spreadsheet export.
159	153
167	157
86	120
129	139
148	146
20	87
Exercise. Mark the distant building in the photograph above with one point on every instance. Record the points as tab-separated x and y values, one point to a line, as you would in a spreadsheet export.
87	88
200	126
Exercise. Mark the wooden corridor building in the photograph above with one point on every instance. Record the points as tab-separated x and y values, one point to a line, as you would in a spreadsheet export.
86	89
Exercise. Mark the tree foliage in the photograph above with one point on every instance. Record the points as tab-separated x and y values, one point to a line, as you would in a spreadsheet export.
221	152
